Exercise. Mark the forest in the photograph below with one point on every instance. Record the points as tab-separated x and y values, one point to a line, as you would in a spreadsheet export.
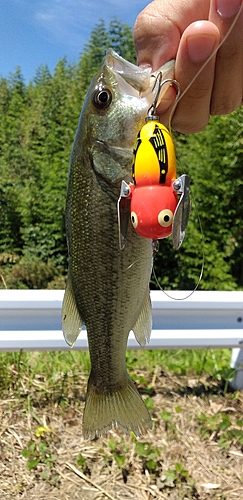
38	121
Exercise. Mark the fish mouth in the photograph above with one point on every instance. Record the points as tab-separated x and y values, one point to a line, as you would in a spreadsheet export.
140	80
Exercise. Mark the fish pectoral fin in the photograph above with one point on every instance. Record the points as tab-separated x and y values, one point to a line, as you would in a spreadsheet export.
122	408
143	326
123	212
71	321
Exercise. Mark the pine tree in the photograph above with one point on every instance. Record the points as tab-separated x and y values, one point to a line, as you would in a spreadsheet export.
37	127
120	38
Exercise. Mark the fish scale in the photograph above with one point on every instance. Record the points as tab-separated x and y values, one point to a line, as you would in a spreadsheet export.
107	288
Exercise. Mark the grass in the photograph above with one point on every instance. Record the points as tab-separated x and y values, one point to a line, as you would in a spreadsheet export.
197	435
182	362
52	368
62	370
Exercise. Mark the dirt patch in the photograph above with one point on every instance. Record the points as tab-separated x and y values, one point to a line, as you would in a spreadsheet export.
195	450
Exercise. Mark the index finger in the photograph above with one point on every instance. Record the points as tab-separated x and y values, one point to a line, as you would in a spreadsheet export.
159	27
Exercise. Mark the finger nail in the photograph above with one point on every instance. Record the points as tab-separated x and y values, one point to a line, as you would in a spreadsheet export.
145	66
200	47
228	8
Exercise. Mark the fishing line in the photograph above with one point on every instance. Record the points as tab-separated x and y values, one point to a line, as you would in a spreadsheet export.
204	65
202	265
179	96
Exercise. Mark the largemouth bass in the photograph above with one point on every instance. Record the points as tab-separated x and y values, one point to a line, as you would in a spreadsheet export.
108	288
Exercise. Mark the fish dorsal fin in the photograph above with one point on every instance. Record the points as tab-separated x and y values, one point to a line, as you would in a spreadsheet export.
143	326
71	321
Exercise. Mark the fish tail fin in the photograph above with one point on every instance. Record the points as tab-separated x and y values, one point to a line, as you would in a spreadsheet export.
122	408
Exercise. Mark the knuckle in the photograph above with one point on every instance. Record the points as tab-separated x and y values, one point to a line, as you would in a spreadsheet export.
225	106
190	124
146	25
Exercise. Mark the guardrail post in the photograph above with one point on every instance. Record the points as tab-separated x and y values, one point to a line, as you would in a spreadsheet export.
237	364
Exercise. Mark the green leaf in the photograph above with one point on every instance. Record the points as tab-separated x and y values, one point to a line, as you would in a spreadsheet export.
180	469
120	459
32	464
155	453
151	465
81	461
149	403
170	475
142	449
166	416
112	444
43	448
225	422
26	453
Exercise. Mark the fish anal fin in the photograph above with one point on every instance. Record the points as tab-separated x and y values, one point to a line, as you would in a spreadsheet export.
143	326
122	408
71	320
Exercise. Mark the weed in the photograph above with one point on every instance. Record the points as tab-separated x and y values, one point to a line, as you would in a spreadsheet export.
81	461
175	477
149	455
221	428
12	366
170	427
39	452
83	464
149	403
118	451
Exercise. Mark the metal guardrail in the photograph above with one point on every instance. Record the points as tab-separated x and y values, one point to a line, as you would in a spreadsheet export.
31	320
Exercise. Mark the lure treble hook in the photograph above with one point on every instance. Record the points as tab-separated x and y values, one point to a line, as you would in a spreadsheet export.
158	79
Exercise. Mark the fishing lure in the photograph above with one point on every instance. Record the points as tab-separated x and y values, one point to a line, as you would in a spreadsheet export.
156	211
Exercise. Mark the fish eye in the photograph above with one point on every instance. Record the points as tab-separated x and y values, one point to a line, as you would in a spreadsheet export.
102	98
134	219
165	218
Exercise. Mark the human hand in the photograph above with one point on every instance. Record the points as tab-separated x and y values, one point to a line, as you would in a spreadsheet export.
190	31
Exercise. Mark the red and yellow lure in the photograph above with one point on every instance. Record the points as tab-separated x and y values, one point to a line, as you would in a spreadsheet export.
153	199
155	208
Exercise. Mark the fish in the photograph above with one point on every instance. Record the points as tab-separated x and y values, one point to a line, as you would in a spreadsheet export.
107	287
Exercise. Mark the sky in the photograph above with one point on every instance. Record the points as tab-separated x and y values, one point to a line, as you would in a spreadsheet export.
37	32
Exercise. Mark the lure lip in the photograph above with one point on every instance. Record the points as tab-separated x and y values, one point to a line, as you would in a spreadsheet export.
182	211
